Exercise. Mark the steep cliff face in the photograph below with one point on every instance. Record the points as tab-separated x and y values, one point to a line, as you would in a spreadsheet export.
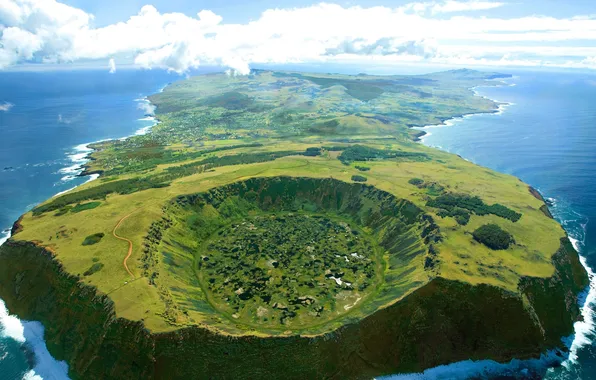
80	325
442	322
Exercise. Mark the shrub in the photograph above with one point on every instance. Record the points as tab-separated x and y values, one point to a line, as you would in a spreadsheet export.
362	168
85	206
125	186
366	153
416	181
449	202
493	236
93	239
313	151
359	178
94	269
335	148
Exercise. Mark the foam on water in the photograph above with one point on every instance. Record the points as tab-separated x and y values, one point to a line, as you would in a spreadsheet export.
585	330
485	369
46	367
10	326
78	157
31	375
4	235
31	335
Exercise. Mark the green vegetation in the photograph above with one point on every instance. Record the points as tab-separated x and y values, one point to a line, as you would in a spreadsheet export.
365	153
313	151
93	239
416	182
459	206
282	252
126	186
94	269
85	206
275	267
493	236
358	178
495	324
243	209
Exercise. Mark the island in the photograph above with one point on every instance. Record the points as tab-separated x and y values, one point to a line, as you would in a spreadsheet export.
290	225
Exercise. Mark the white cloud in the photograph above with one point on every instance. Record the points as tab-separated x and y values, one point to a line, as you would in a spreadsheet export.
464	6
436	32
385	46
147	108
451	6
112	65
6	106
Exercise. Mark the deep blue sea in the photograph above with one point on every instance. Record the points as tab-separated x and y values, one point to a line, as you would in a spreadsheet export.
546	137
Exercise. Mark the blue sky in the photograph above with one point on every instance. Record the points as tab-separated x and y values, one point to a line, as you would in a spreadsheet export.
181	35
241	11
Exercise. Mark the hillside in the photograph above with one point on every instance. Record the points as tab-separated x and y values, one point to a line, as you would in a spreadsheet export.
293	216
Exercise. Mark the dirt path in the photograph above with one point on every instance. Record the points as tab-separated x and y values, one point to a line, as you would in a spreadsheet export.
125	239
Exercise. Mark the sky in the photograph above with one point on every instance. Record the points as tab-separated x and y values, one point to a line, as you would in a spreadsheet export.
181	35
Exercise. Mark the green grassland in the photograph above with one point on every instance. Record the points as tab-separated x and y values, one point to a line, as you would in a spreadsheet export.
178	187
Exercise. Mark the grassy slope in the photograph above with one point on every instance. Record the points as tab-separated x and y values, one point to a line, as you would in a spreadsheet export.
461	258
441	322
208	117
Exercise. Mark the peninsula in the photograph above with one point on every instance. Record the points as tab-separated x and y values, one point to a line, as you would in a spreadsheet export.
289	225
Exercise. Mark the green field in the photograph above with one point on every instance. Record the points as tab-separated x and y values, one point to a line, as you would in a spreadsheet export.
282	203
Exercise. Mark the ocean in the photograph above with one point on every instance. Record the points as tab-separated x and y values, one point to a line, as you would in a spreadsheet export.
546	136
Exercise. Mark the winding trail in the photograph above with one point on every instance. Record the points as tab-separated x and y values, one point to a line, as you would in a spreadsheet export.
124	239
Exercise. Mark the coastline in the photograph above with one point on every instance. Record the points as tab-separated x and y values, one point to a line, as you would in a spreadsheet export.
31	333
83	168
81	155
501	107
586	325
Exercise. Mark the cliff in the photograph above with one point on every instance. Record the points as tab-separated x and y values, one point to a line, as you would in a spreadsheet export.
442	322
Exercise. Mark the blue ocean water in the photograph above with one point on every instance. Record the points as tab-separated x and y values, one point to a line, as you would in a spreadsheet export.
547	138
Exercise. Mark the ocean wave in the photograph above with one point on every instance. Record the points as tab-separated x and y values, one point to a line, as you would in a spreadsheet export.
585	330
31	375
143	131
31	334
4	236
146	129
486	369
10	326
46	367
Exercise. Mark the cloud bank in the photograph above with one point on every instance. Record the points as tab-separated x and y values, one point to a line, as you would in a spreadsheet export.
6	106
437	32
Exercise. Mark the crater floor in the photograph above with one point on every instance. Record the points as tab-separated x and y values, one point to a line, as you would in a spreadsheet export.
286	254
273	268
